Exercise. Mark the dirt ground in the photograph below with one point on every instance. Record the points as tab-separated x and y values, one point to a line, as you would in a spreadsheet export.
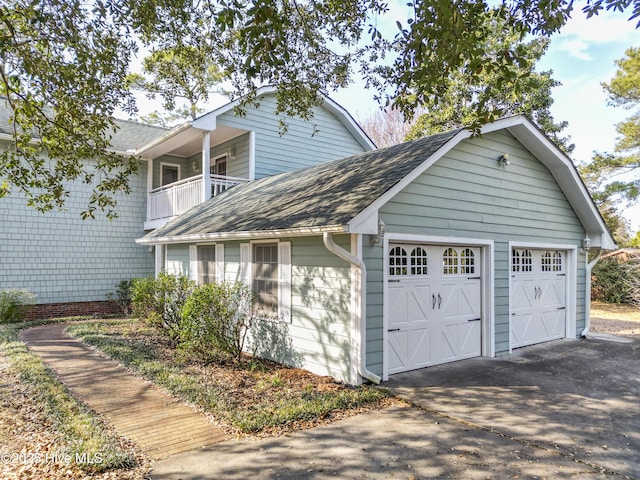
615	319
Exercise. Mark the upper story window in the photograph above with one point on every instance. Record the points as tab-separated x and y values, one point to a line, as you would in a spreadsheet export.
169	173
219	166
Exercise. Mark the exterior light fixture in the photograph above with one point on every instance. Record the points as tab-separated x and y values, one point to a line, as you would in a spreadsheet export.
504	159
377	239
586	244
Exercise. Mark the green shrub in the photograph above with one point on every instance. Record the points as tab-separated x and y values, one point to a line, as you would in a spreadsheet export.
216	317
13	303
610	281
160	300
122	296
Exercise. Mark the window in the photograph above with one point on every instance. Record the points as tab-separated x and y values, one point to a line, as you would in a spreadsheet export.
450	262
521	260
419	261
397	261
265	278
557	261
169	173
266	268
467	262
545	261
206	264
219	166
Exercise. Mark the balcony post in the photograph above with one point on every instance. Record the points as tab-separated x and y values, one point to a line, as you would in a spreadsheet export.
206	163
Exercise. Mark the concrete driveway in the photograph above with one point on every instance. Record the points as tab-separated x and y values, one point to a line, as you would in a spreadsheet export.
566	409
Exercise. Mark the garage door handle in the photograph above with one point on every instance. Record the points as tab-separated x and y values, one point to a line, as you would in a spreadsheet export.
474	320
474	278
393	330
394	280
439	300
433	301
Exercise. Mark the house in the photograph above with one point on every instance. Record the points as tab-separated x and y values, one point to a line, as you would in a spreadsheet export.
436	250
72	264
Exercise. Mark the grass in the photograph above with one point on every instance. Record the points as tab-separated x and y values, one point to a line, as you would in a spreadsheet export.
251	396
615	311
83	437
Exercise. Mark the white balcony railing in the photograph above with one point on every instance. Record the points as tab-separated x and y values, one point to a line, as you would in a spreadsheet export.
175	198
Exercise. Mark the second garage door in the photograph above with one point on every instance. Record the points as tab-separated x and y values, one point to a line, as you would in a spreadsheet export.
434	305
537	296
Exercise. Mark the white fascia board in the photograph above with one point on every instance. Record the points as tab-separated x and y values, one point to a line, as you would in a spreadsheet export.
363	218
164	138
227	236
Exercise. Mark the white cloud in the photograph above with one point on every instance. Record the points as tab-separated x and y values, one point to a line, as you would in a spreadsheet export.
576	48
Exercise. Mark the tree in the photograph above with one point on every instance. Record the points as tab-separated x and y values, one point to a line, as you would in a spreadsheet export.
624	91
184	72
386	127
65	62
529	92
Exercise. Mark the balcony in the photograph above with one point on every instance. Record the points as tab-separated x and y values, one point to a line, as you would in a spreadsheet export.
171	200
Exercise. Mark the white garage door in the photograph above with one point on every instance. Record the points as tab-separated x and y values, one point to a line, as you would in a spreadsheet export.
434	305
538	296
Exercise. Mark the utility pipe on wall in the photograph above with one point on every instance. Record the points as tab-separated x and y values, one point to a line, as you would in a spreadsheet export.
359	317
587	300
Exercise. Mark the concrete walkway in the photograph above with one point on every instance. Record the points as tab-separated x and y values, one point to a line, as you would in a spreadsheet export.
159	424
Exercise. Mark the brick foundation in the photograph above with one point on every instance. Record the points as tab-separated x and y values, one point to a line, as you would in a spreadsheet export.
55	310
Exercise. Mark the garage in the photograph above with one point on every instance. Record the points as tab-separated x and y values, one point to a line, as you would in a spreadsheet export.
538	296
435	302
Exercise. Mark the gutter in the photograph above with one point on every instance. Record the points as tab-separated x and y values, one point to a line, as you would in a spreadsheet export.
358	317
587	300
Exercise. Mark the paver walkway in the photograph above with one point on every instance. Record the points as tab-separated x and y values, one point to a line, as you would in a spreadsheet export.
159	424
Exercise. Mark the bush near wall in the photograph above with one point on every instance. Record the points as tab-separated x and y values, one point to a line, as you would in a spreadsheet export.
616	280
206	322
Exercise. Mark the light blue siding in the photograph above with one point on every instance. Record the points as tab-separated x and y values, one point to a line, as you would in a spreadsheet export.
318	338
468	194
304	144
62	258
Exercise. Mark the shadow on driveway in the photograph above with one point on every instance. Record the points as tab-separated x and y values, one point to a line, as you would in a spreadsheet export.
578	397
563	410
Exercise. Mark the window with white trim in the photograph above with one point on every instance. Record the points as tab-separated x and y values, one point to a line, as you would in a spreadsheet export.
169	173
266	268
419	261
557	261
264	278
467	262
206	264
521	260
398	261
450	261
545	261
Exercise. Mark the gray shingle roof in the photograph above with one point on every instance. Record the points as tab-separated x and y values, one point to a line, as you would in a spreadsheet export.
130	134
330	194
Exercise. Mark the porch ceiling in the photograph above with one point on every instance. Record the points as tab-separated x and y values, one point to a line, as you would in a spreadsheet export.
186	142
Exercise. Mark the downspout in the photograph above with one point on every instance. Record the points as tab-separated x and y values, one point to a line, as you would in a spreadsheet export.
359	319
587	300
